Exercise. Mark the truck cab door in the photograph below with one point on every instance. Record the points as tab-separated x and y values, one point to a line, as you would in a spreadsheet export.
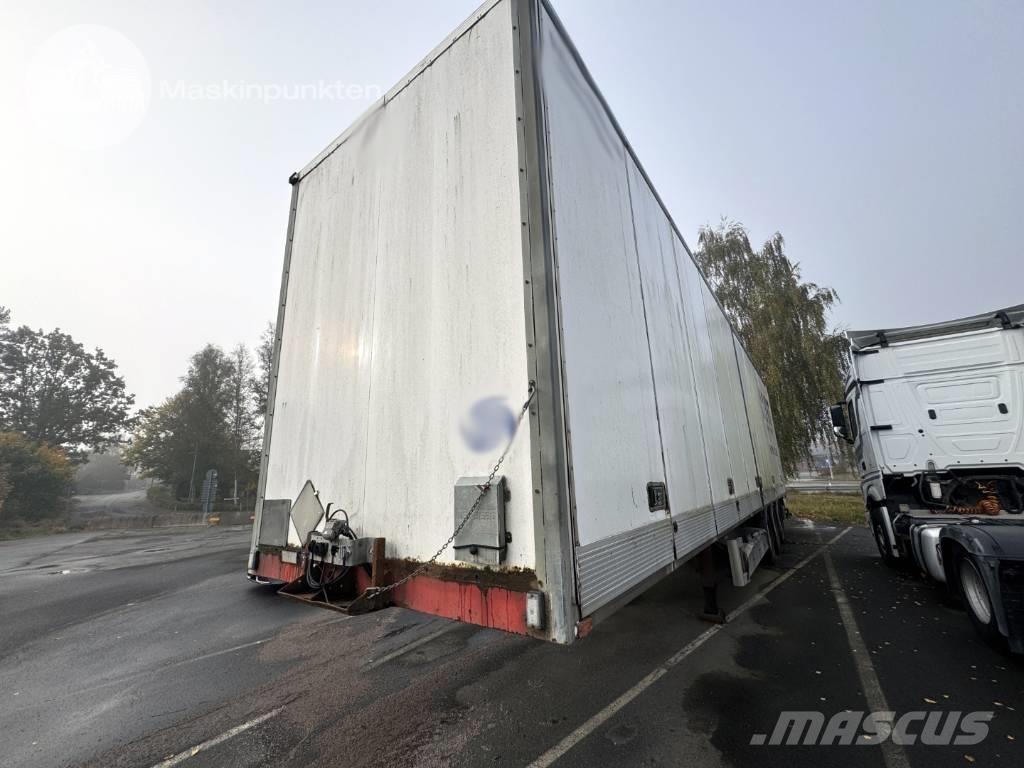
863	450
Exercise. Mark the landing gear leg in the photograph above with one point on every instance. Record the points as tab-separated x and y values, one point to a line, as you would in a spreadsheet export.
712	611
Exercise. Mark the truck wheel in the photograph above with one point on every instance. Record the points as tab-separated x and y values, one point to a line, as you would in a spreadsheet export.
882	541
976	599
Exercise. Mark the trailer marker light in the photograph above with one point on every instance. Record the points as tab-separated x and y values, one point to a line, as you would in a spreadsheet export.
535	610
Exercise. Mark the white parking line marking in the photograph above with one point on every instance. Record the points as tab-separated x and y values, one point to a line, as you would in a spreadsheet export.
601	717
213	654
892	754
193	751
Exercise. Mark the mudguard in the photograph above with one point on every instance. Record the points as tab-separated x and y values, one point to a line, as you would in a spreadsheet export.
1002	540
993	544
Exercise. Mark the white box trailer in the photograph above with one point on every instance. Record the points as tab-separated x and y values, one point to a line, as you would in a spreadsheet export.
484	229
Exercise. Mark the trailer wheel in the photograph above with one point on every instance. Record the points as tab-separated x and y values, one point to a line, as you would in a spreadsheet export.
771	524
779	514
976	599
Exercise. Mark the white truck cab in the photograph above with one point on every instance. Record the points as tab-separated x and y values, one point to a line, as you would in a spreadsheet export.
935	414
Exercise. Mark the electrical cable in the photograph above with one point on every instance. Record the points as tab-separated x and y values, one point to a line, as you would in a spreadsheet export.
330	573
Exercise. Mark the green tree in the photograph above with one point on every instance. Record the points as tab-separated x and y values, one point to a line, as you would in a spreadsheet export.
261	380
35	479
55	391
198	428
5	488
783	322
162	447
243	421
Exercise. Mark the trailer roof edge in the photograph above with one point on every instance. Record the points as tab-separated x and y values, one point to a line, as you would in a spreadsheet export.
482	10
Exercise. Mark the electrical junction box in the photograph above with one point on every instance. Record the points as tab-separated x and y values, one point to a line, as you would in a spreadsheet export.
483	539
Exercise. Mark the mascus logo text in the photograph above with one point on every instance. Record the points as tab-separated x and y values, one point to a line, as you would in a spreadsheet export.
866	728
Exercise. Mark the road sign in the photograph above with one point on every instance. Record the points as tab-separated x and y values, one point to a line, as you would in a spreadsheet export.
209	492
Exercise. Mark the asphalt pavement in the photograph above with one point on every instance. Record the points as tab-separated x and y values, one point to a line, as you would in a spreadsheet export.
150	648
109	637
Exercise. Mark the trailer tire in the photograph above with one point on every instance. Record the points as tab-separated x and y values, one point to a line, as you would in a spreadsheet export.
772	555
974	594
774	525
769	523
780	524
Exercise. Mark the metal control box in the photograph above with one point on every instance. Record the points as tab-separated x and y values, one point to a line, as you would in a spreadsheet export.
483	539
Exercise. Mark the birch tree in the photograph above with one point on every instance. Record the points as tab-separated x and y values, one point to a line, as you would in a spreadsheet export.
783	322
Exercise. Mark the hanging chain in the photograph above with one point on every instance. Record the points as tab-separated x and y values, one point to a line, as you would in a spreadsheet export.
378	591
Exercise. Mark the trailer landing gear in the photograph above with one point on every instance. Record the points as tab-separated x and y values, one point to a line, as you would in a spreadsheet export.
712	611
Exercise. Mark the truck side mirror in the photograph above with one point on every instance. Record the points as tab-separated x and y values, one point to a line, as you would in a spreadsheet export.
837	413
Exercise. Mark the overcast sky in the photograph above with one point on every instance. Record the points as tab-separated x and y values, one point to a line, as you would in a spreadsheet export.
883	139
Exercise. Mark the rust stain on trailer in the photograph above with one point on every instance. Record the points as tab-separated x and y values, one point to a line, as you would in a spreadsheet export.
494	607
515	579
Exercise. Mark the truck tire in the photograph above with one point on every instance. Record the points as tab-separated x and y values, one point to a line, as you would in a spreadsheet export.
882	539
974	593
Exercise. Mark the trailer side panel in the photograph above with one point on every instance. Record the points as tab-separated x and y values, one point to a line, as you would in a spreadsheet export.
610	406
740	483
671	357
716	443
653	387
762	429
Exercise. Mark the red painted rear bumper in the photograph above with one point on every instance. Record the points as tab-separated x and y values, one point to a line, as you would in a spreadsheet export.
486	606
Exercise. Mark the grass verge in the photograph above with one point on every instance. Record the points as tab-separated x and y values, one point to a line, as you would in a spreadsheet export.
22	529
844	508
